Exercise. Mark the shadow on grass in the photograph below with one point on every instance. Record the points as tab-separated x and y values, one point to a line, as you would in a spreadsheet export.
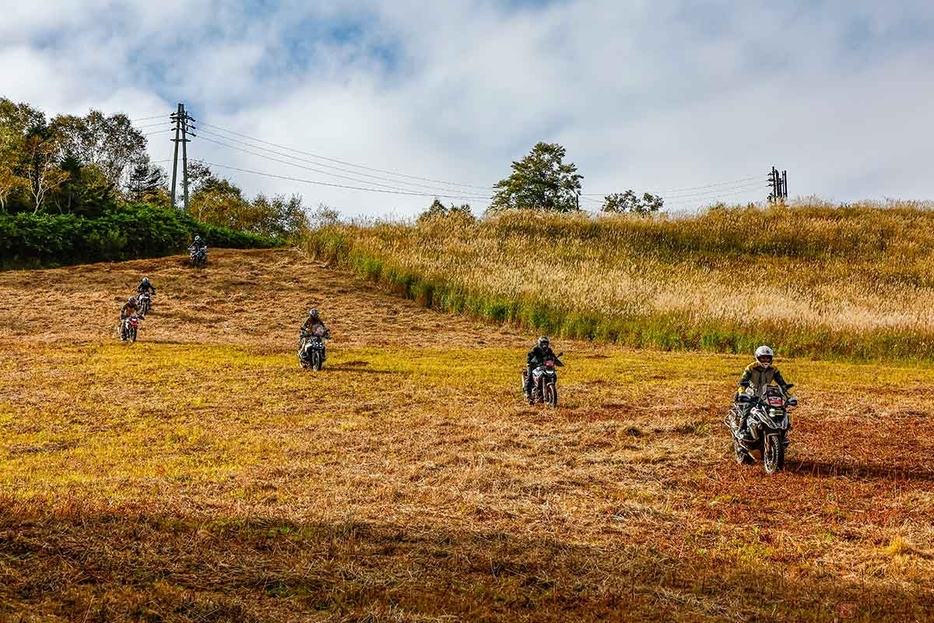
80	563
858	471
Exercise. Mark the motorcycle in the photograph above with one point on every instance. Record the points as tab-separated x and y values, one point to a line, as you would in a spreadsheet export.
544	383
767	427
145	303
130	328
198	257
311	350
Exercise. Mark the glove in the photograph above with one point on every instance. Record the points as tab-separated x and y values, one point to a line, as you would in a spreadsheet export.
743	398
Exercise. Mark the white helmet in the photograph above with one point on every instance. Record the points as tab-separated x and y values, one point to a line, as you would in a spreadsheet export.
764	356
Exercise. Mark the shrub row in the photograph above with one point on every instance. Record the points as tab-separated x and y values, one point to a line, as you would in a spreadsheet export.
125	232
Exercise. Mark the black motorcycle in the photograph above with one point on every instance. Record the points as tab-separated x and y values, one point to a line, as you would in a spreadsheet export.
145	303
767	427
311	350
198	257
544	383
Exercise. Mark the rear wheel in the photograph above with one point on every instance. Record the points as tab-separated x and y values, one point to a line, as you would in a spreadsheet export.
773	454
551	395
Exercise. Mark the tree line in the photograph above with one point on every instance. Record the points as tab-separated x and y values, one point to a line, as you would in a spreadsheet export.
89	165
543	181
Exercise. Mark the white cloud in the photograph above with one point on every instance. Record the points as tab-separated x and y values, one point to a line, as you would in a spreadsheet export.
648	95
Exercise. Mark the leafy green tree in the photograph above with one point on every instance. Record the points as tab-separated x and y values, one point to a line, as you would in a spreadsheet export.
84	192
147	183
277	217
436	209
17	121
41	164
439	210
218	202
111	144
629	202
540	181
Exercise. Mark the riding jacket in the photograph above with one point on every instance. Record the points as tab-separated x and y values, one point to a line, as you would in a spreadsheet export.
538	355
758	377
128	310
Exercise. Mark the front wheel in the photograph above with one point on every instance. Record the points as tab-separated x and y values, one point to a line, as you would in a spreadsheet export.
741	454
773	453
551	395
316	360
133	334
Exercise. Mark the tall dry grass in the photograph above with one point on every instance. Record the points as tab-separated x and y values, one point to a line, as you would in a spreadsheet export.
815	280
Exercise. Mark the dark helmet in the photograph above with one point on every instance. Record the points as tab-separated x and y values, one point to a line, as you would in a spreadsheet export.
145	281
313	312
131	300
197	238
543	342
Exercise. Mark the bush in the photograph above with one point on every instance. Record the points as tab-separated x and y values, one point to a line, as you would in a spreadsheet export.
121	233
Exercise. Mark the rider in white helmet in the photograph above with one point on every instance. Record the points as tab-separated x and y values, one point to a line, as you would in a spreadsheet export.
756	377
312	324
197	244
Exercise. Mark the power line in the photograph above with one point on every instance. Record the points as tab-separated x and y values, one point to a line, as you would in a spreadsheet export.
148	118
678	190
299	166
151	125
286	155
349	164
747	186
319	183
158	132
702	199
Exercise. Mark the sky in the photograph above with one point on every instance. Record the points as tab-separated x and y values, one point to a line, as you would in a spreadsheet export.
695	101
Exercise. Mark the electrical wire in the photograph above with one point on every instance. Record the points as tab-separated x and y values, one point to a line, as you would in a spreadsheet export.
720	196
151	125
319	183
689	188
204	132
323	172
349	164
747	186
166	116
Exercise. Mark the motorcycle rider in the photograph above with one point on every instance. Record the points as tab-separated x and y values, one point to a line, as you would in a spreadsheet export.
198	245
756	377
312	324
129	308
145	287
535	359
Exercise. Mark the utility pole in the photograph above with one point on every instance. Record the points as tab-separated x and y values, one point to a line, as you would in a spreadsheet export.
182	131
779	183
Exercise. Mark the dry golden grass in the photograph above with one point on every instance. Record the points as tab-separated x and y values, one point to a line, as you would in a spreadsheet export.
201	475
853	283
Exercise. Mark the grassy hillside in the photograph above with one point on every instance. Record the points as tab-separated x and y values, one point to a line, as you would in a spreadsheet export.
201	475
853	283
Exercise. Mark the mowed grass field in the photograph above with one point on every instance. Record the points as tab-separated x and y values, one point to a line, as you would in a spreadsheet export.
201	475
